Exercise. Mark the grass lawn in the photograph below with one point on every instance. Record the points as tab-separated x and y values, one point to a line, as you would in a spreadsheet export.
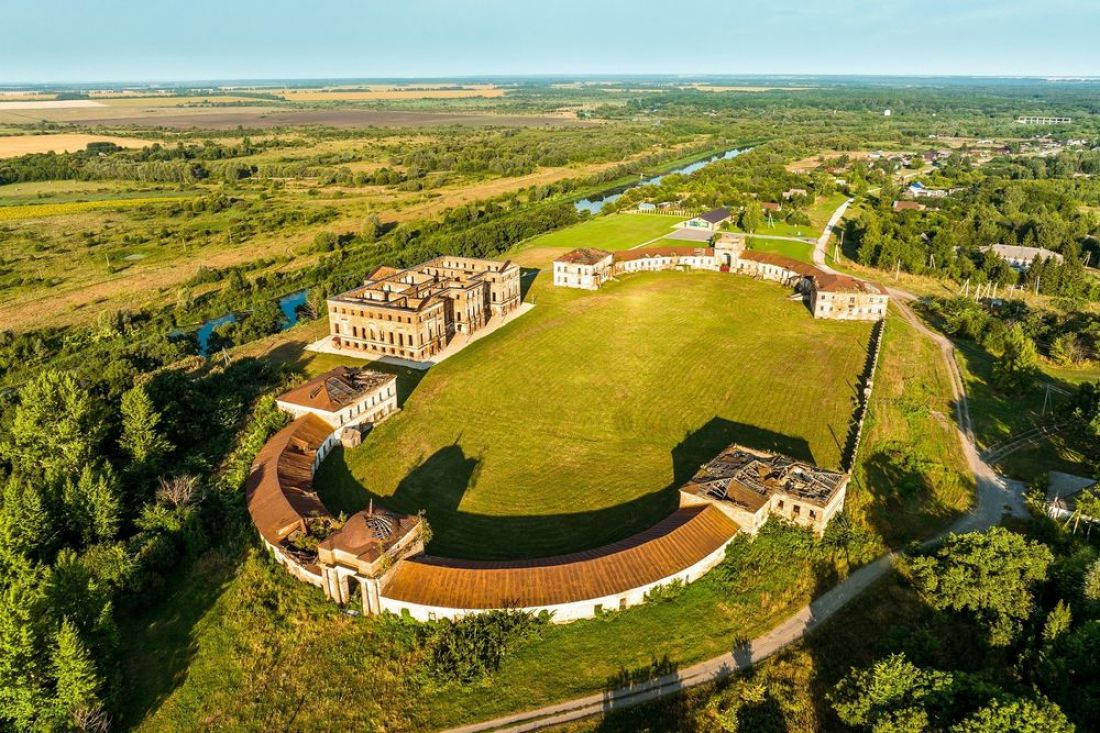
573	426
911	476
819	212
801	251
610	232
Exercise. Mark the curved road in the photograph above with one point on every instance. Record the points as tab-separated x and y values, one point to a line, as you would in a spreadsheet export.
995	496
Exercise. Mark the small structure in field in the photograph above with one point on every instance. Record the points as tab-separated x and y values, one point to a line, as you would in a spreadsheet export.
710	220
749	485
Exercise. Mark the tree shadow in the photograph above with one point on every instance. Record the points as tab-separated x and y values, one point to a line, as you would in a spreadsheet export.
437	484
904	501
711	438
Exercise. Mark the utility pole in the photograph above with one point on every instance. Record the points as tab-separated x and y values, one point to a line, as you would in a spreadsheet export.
897	270
966	293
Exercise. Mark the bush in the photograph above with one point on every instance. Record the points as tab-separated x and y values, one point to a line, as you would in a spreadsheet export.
470	648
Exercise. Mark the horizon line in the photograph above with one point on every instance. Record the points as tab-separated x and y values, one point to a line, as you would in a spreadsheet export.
15	84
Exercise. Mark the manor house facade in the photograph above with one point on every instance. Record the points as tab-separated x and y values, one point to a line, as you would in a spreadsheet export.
414	313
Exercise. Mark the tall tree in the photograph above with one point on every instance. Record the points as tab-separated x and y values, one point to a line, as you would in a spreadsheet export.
1016	367
92	502
56	427
77	685
23	690
1016	716
988	574
141	437
893	694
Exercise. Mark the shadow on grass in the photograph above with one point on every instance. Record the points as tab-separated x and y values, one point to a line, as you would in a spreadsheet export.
905	503
157	645
437	484
527	277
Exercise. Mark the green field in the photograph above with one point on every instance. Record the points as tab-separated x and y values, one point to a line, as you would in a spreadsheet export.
801	251
612	232
573	426
911	477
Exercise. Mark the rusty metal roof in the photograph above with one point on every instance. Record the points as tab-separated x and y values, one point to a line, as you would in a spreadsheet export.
279	490
670	546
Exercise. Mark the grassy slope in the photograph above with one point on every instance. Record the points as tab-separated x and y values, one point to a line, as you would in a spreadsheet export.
911	476
573	426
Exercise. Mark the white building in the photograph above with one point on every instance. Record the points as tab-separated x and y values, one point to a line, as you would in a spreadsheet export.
584	268
344	396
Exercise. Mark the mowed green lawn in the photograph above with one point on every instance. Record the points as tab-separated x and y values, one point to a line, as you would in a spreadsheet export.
611	232
572	426
801	251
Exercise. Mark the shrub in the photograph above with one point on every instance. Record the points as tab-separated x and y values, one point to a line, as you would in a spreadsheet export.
470	648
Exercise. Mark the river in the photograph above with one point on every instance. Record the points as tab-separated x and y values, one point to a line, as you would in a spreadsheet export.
595	204
288	304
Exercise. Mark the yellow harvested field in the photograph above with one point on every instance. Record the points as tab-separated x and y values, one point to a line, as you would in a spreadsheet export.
396	93
14	145
42	211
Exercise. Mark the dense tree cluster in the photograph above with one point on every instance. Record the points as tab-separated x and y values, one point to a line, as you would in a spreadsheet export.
99	497
948	239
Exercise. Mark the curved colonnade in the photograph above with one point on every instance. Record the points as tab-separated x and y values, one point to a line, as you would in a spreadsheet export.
398	577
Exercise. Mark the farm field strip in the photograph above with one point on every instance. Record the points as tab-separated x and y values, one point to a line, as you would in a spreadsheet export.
45	210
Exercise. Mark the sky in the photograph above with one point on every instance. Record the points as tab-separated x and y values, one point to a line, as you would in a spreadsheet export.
174	40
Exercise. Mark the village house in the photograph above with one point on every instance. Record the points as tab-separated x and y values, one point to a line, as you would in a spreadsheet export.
1063	489
414	313
1020	258
710	220
344	396
750	485
900	206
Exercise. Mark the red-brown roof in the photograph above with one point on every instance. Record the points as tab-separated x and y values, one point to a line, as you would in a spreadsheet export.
789	263
279	490
584	256
643	252
366	535
831	283
336	388
672	545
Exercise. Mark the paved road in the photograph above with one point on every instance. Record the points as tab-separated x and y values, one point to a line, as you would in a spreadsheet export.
826	235
995	496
